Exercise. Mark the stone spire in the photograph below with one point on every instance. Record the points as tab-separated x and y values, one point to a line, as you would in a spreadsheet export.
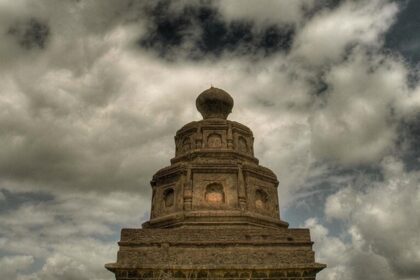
215	210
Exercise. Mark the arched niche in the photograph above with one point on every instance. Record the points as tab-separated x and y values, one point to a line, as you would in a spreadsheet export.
215	193
261	199
214	140
168	197
242	144
153	199
186	144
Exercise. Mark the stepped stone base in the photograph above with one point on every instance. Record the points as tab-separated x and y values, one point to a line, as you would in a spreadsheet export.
215	253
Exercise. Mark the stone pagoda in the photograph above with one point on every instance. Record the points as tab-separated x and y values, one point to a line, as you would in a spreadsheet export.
215	211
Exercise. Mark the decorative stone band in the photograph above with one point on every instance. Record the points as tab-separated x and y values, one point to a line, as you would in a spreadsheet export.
233	235
214	135
204	218
304	273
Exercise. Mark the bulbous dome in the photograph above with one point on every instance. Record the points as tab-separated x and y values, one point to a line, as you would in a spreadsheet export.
214	103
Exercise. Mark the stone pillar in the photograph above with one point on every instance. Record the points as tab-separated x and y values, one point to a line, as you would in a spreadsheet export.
241	188
188	189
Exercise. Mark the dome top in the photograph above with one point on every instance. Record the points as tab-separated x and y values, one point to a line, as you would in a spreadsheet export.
214	103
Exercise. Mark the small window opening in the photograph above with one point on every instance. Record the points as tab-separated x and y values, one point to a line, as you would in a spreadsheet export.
261	199
169	197
186	145
242	145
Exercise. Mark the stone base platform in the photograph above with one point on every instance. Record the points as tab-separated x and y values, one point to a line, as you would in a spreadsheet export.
215	253
215	274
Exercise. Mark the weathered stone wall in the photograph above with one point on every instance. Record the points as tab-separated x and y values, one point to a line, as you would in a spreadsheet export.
216	249
215	256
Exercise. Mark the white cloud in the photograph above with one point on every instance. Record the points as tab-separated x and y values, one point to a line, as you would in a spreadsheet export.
73	233
11	265
266	11
325	38
380	219
77	259
356	124
346	261
409	106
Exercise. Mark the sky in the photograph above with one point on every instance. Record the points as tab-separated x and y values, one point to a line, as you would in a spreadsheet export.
92	93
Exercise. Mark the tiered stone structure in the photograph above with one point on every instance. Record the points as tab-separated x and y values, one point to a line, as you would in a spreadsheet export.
215	211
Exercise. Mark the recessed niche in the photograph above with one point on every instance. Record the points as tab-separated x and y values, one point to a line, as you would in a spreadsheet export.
242	145
215	193
168	197
186	144
214	141
261	199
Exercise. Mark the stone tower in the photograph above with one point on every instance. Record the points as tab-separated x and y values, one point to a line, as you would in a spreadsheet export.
215	211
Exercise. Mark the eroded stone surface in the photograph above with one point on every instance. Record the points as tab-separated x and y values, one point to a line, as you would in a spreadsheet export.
215	211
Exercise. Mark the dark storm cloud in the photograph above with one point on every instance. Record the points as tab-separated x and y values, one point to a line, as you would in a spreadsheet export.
403	36
12	201
197	31
33	33
49	134
408	142
320	6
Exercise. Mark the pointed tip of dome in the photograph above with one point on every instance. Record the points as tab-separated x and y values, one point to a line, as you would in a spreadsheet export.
214	103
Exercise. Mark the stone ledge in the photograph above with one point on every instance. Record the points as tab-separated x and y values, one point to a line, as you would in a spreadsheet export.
289	274
239	234
215	218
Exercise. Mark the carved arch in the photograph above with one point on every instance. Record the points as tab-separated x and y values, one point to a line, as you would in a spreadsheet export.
214	140
215	193
261	199
242	144
186	144
169	197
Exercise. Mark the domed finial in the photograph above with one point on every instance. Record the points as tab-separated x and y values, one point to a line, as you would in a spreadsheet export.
214	103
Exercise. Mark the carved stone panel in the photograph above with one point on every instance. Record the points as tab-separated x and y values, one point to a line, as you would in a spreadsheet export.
214	191
166	199
262	197
262	201
186	144
242	145
214	139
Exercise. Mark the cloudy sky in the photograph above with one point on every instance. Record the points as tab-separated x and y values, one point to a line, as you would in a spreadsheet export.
92	93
